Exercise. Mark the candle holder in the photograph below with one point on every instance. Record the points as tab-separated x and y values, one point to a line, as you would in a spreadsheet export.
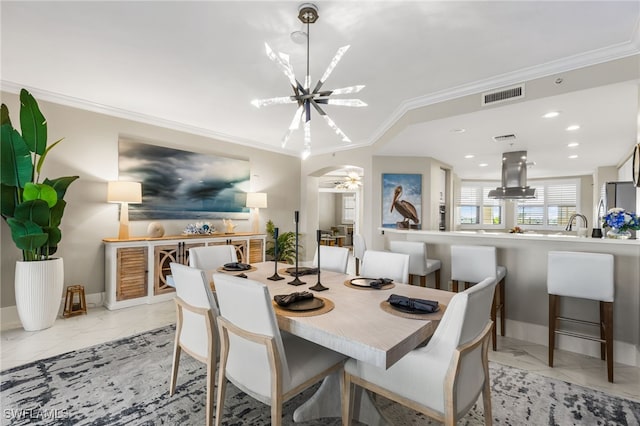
275	276
318	286
296	281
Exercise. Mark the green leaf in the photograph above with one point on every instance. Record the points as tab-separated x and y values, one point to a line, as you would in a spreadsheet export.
17	166
36	211
56	212
27	235
4	115
61	184
44	155
8	200
32	123
40	191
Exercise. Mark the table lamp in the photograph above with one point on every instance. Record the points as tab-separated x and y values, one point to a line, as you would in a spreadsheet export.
124	193
256	201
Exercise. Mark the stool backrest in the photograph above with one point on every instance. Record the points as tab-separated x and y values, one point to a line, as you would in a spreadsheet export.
583	275
384	264
417	252
473	264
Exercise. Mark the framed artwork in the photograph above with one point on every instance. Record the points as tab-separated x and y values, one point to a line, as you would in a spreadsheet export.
180	184
401	200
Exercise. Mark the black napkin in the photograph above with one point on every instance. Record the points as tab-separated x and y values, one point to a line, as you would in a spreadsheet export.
420	305
380	282
287	299
242	275
237	266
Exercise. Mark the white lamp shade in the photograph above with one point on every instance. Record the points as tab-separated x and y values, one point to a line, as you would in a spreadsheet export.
124	192
257	200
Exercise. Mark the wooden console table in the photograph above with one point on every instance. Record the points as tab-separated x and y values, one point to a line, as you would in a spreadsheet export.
136	269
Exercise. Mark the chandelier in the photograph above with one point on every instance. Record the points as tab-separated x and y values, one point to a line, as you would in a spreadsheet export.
351	182
303	96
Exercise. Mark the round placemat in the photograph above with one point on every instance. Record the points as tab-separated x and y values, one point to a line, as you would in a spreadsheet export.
283	271
358	287
221	269
328	306
386	306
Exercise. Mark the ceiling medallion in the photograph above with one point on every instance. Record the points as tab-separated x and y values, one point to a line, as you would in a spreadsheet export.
303	96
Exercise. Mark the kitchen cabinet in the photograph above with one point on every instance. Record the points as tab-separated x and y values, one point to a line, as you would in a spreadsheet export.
136	270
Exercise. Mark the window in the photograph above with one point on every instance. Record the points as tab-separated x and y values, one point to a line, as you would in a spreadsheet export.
476	209
348	208
554	204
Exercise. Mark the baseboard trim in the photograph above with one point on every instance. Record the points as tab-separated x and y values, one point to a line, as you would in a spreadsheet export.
623	352
9	315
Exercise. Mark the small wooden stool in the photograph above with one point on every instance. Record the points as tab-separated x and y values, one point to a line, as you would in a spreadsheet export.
72	308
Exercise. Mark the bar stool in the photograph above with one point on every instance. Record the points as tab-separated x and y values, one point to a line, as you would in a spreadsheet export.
419	265
72	307
359	247
472	264
584	276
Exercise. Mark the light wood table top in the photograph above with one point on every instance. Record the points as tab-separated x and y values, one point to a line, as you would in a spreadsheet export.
357	326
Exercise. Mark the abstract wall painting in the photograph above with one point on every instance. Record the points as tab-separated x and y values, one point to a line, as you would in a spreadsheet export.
401	200
179	184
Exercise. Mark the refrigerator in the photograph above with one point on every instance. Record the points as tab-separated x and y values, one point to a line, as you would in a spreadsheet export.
620	194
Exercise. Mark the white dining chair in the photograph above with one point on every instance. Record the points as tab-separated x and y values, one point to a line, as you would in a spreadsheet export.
470	265
332	258
584	276
419	264
359	247
444	378
212	257
195	326
267	365
385	264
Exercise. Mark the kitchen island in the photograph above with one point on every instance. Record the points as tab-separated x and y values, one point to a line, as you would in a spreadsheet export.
525	257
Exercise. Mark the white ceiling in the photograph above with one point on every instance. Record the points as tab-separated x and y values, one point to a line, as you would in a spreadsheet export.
196	66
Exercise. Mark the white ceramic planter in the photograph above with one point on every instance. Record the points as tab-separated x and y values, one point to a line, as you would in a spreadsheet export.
38	292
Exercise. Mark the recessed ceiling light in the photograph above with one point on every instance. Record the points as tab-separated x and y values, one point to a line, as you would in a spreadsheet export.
458	130
469	156
551	114
572	144
573	127
573	156
482	165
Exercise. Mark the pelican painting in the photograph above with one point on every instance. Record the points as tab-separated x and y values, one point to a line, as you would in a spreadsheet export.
405	208
401	200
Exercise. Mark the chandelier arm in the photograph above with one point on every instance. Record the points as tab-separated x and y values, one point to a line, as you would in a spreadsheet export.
336	129
317	107
334	62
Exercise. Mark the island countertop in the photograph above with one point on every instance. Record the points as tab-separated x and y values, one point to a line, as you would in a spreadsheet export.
525	257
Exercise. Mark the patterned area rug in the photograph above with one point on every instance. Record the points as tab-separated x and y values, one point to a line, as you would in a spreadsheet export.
126	382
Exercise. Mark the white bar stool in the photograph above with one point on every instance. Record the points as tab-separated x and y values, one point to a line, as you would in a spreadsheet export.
419	265
472	264
584	276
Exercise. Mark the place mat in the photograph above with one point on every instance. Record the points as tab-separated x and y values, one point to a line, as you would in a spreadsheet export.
228	271
359	287
386	306
328	306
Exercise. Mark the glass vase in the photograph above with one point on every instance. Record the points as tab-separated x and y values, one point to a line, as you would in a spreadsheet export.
618	234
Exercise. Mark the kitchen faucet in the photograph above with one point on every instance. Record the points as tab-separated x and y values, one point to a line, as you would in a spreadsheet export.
572	218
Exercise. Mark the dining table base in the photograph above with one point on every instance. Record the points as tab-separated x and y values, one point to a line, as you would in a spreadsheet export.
327	402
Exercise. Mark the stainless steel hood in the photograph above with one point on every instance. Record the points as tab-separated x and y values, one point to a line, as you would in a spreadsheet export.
514	178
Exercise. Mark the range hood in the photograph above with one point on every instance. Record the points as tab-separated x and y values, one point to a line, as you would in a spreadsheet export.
514	178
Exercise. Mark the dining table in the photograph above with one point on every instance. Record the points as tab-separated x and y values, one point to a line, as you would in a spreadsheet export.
355	320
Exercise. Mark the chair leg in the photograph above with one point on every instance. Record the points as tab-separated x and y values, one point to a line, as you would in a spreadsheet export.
276	410
486	392
603	337
454	286
357	266
174	369
494	333
423	280
347	399
503	305
211	374
411	277
438	279
553	313
467	285
608	321
222	388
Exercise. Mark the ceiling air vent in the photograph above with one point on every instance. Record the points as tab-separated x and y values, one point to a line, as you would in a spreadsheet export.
505	138
502	95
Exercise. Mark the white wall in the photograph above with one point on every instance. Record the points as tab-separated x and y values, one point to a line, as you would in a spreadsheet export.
327	211
90	150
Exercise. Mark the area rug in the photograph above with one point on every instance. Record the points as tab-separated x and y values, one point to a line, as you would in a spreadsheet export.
126	382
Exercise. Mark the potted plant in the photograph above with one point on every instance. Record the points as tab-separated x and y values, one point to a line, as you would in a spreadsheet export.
286	244
33	210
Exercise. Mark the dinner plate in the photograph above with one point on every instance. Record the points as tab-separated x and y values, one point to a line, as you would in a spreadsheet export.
304	305
365	282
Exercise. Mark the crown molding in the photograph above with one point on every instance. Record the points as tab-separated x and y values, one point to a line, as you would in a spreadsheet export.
594	57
